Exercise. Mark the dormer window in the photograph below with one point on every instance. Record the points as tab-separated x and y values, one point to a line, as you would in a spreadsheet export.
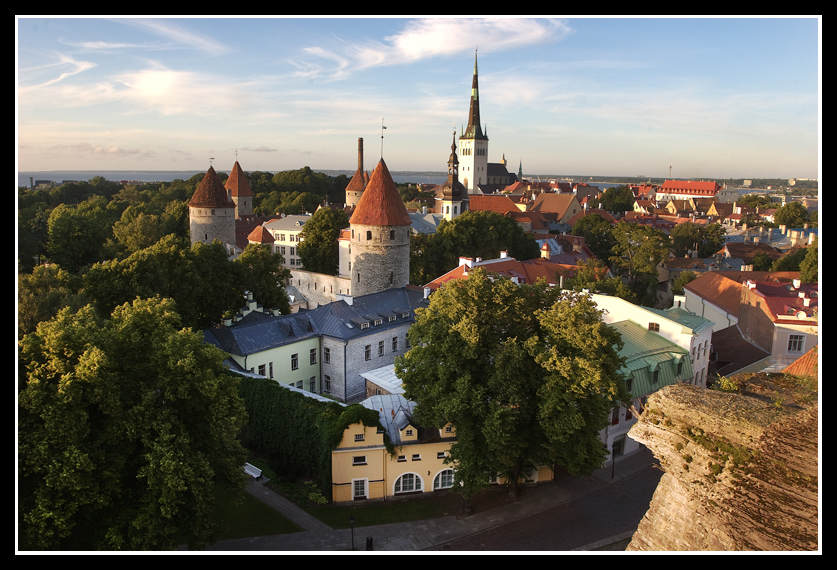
379	322
654	327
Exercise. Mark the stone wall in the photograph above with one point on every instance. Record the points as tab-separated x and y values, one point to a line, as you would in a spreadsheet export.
741	469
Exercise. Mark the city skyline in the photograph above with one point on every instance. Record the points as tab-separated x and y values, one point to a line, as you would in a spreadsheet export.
725	98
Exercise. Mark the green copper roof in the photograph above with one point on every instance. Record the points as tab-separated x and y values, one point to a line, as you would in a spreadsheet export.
693	323
652	362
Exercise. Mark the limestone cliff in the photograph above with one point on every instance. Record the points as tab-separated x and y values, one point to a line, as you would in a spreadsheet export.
741	468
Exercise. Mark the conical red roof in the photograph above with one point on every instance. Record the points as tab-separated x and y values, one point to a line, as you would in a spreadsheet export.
358	182
381	204
238	183
211	193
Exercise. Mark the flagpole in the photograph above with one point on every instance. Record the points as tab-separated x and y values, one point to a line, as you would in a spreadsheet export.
382	137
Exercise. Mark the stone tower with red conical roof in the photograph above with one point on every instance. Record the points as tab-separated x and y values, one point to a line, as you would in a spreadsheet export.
212	212
358	183
380	237
240	192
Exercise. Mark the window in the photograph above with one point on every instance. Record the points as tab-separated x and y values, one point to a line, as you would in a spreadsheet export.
327	381
368	352
390	318
402	458
313	355
359	489
408	433
271	370
680	368
391	235
440	455
416	457
381	348
395	344
408	483
299	384
327	355
293	251
281	237
359	437
379	322
796	342
614	416
368	236
654	327
655	378
629	384
312	384
359	460
405	315
261	369
444	480
448	429
294	362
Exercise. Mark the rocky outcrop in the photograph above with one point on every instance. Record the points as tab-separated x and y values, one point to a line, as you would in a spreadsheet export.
741	468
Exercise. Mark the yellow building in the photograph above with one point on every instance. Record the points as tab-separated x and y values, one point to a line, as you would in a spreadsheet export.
362	468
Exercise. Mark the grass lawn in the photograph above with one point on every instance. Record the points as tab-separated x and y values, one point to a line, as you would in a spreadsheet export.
252	518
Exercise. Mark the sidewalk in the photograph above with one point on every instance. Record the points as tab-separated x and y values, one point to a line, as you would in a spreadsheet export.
420	535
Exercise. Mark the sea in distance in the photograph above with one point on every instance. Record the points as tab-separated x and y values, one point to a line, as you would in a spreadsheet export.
24	178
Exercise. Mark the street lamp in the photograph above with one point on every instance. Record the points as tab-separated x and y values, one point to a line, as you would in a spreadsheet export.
352	524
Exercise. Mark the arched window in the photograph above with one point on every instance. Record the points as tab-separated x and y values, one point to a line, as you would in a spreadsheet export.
408	483
392	235
444	480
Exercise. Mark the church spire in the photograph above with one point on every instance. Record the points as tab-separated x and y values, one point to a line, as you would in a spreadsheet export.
474	130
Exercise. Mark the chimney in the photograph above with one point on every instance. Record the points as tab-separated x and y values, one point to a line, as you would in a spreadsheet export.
360	155
427	292
797	283
806	301
503	254
469	261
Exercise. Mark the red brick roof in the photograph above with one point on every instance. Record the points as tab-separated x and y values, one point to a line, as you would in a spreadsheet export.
260	235
358	181
805	365
381	204
499	203
237	183
689	187
211	193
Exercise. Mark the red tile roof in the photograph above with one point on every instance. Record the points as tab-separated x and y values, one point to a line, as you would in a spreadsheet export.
211	193
689	187
556	203
381	204
260	235
498	203
805	365
237	183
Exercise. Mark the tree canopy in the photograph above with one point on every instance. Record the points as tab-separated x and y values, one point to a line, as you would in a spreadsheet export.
126	428
319	250
526	374
619	199
638	251
792	214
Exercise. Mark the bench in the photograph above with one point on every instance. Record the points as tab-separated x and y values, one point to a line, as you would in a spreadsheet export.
253	471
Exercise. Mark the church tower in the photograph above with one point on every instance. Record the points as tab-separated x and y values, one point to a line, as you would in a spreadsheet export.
452	192
356	185
212	212
473	144
239	190
380	237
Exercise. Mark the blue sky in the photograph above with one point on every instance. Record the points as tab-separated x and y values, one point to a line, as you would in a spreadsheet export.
712	97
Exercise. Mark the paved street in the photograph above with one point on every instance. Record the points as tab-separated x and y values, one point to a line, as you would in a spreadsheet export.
572	513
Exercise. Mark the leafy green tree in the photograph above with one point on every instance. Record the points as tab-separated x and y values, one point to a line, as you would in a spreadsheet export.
137	230
619	199
638	251
43	293
683	279
792	214
127	427
809	267
318	250
480	233
688	237
791	261
761	262
597	233
265	276
77	234
423	259
592	274
526	375
200	279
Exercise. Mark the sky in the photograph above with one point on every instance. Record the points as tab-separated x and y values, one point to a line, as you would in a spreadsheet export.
714	97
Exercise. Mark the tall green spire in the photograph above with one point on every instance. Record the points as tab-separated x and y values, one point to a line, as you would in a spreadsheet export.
474	130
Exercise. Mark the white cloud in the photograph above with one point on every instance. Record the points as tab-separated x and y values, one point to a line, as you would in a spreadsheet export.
423	39
180	36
